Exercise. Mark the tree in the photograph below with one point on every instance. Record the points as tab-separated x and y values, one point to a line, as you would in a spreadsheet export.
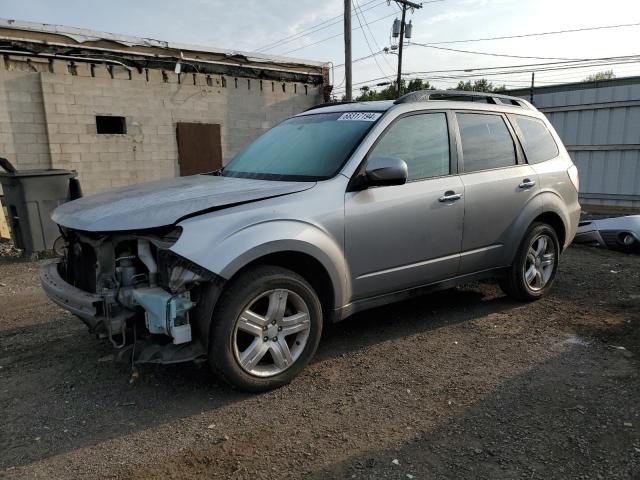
389	92
482	85
605	75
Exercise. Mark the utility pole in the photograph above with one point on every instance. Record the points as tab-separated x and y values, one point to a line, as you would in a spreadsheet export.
405	4
347	49
533	78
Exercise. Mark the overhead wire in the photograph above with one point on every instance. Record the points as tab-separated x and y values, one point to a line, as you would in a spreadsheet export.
434	44
491	54
366	39
373	36
311	30
536	34
356	28
511	69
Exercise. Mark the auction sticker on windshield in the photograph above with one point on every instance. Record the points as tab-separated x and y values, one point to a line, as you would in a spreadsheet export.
360	116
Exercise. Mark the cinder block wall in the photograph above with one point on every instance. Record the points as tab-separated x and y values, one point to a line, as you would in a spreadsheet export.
48	110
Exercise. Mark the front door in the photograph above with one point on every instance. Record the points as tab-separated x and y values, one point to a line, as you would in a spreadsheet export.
497	185
403	236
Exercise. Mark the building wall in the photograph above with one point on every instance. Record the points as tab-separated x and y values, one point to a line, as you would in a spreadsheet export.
600	126
47	116
23	129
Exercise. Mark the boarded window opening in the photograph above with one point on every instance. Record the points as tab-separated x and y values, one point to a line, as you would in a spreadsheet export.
106	124
199	148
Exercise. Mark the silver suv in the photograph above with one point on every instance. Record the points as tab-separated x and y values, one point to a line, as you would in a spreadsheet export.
341	208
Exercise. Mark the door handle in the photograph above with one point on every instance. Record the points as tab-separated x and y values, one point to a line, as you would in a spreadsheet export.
450	196
526	183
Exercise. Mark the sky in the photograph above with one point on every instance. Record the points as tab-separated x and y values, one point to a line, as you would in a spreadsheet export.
252	25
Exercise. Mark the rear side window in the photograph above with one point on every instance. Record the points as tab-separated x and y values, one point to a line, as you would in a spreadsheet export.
486	142
537	142
420	140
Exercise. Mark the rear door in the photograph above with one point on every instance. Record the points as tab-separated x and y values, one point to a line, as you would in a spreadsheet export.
401	236
497	183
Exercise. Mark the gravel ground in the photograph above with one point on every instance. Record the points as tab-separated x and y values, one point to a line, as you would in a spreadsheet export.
459	384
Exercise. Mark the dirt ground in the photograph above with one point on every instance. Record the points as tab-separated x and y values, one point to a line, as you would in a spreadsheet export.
460	384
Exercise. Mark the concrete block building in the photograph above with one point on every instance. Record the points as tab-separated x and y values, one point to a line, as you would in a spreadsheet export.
121	110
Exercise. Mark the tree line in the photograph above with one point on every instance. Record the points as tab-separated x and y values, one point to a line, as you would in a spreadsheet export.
481	85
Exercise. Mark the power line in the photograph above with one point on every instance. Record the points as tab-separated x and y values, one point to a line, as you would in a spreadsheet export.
333	36
529	66
585	29
313	29
361	58
433	44
491	54
340	34
366	39
513	69
373	36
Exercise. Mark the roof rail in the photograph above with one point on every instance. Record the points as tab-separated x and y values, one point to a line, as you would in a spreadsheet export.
327	104
464	95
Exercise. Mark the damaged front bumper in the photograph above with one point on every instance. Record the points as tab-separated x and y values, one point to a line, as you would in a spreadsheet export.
84	305
618	233
146	323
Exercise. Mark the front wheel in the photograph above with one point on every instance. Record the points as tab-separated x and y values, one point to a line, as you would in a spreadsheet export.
265	329
535	265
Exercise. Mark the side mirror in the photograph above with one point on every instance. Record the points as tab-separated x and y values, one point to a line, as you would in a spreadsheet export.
386	171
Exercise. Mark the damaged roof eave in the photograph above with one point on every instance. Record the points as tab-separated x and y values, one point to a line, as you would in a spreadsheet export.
80	36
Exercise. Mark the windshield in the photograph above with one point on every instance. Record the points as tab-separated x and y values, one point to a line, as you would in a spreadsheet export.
311	147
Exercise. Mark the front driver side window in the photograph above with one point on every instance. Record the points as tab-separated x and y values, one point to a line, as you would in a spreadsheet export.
420	140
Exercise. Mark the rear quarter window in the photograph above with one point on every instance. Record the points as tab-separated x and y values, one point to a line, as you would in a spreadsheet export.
537	142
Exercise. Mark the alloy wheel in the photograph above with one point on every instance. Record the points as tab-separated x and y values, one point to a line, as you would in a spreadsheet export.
540	262
271	332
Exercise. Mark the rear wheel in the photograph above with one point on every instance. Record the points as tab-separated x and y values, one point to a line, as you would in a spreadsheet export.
536	263
265	329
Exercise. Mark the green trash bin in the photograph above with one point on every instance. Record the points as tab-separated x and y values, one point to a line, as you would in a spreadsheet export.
30	196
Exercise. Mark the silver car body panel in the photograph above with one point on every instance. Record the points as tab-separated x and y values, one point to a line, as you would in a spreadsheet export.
309	222
164	202
428	248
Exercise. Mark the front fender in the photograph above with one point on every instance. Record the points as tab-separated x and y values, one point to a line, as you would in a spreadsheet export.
226	256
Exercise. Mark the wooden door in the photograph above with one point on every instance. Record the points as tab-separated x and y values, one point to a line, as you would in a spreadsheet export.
199	148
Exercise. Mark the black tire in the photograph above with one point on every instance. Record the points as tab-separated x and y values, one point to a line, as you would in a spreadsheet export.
514	283
234	300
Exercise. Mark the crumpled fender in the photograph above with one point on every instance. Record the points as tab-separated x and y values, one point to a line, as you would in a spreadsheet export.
226	256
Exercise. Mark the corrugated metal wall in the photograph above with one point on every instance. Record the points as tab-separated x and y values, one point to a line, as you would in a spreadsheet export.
600	127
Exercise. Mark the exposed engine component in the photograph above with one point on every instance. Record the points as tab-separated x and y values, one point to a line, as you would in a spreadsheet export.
145	256
133	275
165	313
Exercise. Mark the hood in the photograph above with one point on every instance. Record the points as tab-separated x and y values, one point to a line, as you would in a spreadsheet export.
164	202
